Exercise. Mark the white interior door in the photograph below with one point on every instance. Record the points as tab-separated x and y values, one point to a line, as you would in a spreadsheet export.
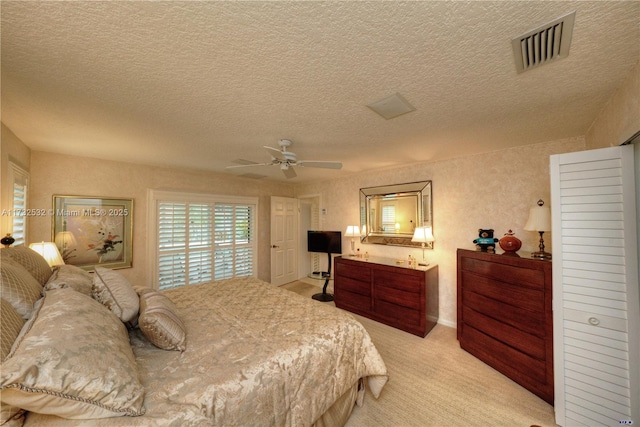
284	240
595	288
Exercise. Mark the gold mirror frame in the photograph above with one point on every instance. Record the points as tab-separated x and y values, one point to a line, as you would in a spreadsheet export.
389	214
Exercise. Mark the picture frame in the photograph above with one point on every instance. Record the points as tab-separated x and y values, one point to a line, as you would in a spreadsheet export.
90	231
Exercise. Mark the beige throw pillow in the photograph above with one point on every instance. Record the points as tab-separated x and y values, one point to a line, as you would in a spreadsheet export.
12	323
116	293
73	359
160	323
19	288
32	261
70	276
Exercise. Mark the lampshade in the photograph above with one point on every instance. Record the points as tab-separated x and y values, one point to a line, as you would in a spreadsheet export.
65	239
49	252
352	231
539	218
423	235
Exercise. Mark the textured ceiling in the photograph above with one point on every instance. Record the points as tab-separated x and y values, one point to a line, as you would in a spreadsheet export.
201	84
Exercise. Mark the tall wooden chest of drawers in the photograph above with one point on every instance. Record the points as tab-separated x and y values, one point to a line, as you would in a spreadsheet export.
390	293
505	317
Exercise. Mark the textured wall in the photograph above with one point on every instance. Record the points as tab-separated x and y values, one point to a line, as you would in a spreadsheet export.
491	190
68	175
620	117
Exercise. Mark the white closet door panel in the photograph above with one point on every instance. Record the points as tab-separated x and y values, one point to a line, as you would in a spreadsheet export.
601	413
598	199
599	293
619	353
600	365
603	277
593	283
592	216
590	165
596	343
598	357
598	382
595	287
605	327
598	170
604	252
598	207
587	187
595	310
596	301
586	265
594	232
604	394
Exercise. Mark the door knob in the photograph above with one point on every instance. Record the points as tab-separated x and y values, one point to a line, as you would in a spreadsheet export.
594	321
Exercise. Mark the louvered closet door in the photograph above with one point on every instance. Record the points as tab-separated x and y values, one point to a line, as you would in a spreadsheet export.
595	279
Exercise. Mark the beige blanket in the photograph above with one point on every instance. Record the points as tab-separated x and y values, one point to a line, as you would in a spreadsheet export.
256	355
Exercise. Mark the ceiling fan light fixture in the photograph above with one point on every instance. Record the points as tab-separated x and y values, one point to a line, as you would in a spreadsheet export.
392	106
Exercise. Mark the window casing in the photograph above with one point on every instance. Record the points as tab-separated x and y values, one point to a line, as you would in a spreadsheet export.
199	238
19	179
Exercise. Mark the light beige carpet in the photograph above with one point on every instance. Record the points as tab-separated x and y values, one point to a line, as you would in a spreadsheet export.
433	382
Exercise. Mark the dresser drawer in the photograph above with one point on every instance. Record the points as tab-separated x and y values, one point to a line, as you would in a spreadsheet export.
398	316
508	293
352	301
399	297
396	280
523	369
532	322
522	341
353	285
504	272
353	270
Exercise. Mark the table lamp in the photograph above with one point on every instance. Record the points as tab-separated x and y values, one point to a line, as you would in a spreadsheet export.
423	235
540	221
352	231
49	252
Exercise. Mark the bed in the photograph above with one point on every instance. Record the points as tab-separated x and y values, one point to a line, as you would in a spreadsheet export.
233	352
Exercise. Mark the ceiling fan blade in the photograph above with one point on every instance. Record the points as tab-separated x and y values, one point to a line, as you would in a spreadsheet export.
275	153
252	164
320	164
289	172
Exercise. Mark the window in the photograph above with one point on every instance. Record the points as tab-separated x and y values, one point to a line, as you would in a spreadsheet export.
18	224
200	238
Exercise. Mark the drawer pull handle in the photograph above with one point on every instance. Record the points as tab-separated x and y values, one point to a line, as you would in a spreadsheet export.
594	321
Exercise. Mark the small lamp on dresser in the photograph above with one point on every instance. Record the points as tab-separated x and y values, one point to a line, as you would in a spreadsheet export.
540	221
423	235
352	231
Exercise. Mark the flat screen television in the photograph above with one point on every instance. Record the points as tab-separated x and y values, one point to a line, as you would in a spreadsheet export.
326	242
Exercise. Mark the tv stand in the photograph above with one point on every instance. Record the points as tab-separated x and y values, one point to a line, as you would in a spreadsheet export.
326	275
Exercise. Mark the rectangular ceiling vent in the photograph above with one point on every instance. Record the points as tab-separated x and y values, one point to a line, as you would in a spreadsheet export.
544	44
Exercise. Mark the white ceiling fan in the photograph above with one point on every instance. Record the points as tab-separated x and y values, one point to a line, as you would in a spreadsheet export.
287	160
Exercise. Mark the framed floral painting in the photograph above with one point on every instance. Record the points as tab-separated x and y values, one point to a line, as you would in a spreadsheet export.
92	231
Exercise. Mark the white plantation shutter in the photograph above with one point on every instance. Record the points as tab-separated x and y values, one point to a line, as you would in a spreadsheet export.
595	295
18	225
234	240
202	239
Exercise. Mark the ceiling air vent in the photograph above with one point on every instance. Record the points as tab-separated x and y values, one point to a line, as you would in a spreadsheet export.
544	44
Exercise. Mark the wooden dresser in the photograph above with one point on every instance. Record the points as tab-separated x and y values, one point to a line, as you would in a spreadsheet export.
505	317
388	292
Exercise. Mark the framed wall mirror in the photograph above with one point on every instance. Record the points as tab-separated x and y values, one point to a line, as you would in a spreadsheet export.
389	214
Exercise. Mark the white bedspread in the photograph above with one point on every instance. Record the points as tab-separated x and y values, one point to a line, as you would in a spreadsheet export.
256	355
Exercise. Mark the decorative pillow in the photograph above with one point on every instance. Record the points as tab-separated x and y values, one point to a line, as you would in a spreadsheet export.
70	276
89	370
12	323
19	288
116	293
160	323
32	261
